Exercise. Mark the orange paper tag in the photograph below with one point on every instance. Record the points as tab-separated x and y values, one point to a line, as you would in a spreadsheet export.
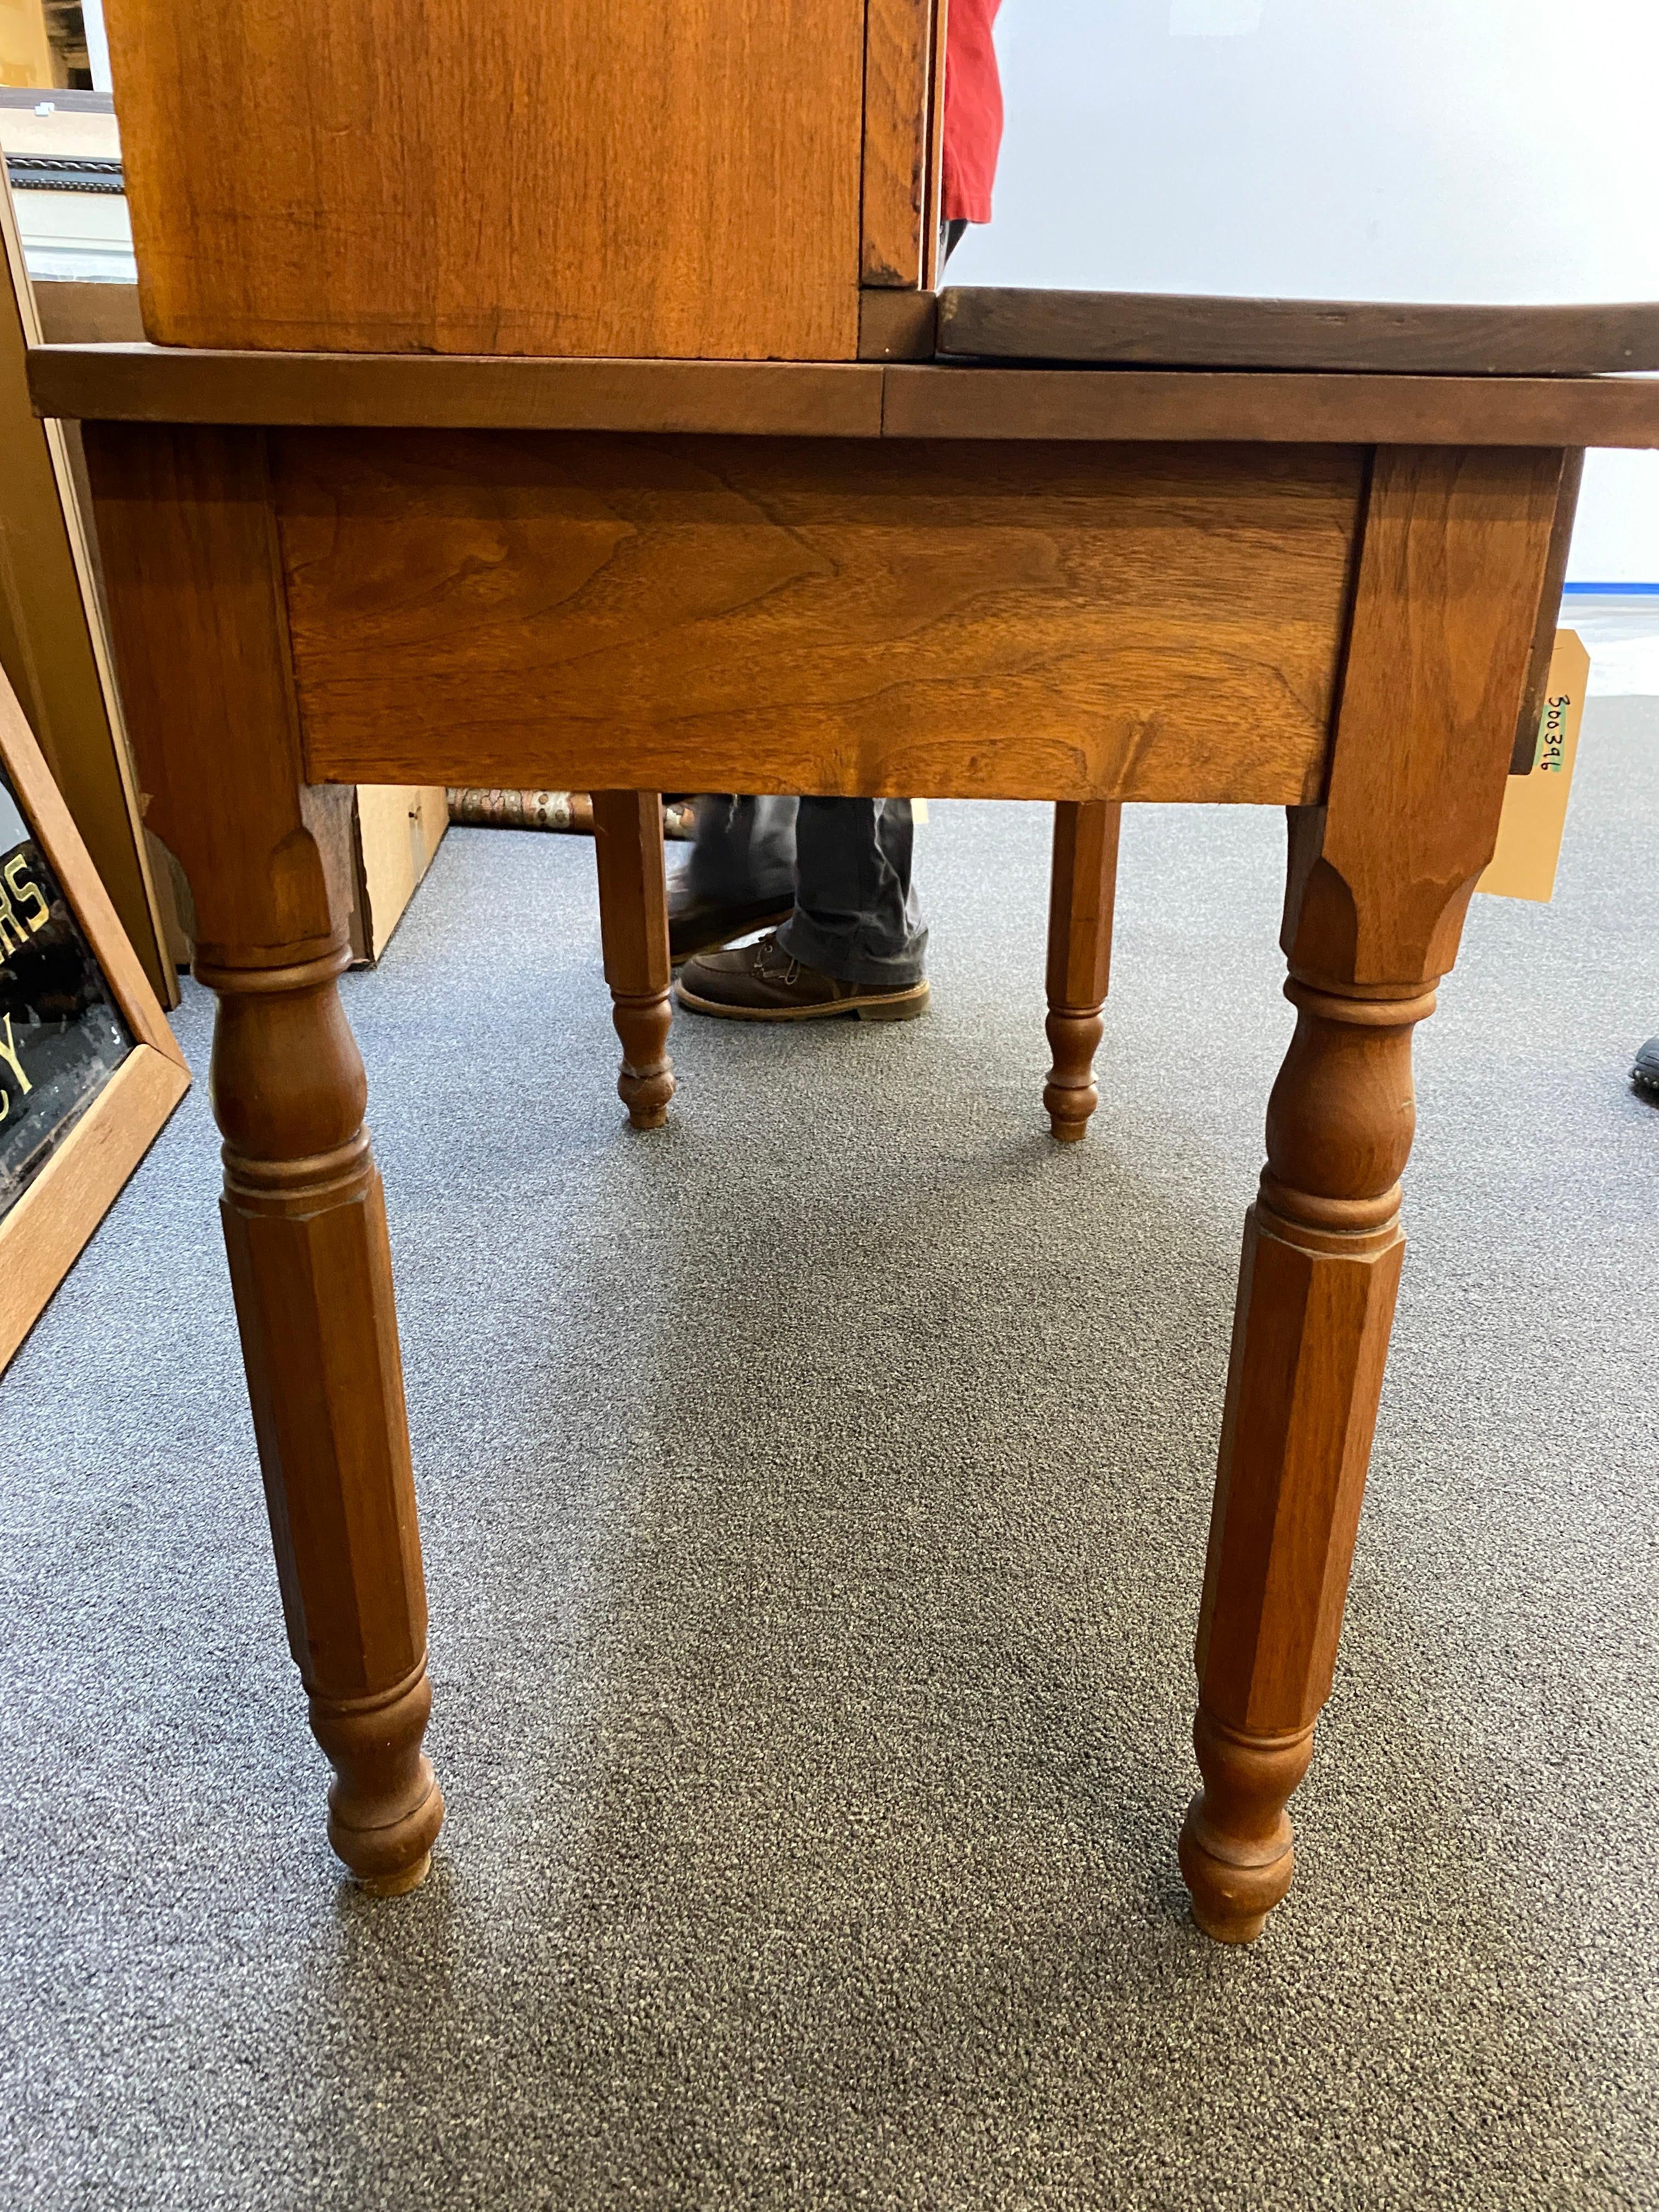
1535	805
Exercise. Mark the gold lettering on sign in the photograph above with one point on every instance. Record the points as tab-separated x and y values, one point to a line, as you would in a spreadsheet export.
13	1061
26	893
13	934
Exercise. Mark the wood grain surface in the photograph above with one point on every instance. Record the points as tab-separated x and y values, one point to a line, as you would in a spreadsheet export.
1456	566
554	177
1168	331
898	189
896	325
399	828
728	614
1082	898
156	383
161	384
938	402
627	851
186	531
74	312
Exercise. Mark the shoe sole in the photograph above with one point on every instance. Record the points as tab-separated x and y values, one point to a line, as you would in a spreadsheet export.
887	1006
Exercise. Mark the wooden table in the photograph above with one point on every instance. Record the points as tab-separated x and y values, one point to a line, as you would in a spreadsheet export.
1330	589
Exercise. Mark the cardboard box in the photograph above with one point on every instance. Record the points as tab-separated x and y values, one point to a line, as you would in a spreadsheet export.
1535	804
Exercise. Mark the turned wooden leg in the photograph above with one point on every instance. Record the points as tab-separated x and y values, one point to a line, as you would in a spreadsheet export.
311	1269
1449	600
633	933
187	529
1322	1251
1081	890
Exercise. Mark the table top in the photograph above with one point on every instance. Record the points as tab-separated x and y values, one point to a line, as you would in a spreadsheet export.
1003	323
1550	403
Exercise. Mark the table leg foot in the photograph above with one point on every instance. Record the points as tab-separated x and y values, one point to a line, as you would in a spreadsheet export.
1236	1843
645	1083
311	1269
385	1808
397	1885
1070	1095
1317	1280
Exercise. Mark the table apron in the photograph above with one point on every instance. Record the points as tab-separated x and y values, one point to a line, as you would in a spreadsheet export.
596	610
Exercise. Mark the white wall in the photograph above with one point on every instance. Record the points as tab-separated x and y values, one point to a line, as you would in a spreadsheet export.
1428	149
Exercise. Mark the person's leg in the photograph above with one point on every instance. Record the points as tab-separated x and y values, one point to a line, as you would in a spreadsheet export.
739	875
855	942
856	916
743	848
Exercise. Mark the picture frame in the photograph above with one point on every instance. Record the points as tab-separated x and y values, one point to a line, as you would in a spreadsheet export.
91	1071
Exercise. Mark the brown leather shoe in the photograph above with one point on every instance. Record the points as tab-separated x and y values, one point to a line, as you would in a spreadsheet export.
699	925
759	982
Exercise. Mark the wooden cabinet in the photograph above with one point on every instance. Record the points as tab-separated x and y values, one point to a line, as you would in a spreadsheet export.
559	177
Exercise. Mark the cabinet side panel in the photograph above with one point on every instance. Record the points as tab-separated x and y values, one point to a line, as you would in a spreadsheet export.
558	177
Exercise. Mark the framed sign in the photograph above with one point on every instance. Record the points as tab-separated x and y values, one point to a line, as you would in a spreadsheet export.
89	1070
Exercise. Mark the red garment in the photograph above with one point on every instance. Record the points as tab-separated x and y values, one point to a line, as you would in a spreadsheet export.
972	112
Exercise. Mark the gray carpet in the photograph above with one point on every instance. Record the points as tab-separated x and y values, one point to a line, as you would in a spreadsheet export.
814	1498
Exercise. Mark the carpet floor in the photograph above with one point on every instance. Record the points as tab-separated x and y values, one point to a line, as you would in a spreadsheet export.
814	1497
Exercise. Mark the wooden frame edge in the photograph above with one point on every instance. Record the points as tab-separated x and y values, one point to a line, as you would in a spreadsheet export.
49	817
51	1223
458	391
936	61
899	42
56	609
896	325
44	1231
854	399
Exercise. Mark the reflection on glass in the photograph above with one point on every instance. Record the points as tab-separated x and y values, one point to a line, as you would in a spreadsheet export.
43	43
61	1036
